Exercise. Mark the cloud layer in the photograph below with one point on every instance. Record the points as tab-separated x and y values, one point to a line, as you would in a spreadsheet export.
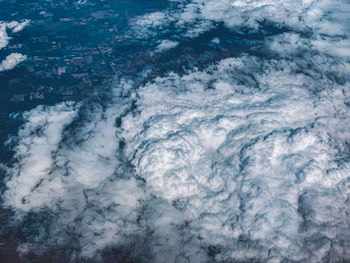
245	160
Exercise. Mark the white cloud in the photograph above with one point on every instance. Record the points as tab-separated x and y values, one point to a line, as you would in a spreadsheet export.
215	41
252	160
39	138
153	19
334	47
195	17
12	61
200	14
14	26
244	160
288	44
4	38
166	45
17	26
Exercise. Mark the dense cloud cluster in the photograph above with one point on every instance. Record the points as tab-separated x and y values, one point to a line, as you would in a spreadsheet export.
13	59
246	160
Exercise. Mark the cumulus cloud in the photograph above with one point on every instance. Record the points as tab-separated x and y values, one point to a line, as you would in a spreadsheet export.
245	160
166	45
12	61
14	26
4	38
17	26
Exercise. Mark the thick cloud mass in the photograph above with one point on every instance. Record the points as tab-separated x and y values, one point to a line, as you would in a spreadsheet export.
246	160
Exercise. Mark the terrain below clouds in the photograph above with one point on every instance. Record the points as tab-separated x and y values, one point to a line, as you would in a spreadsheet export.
244	159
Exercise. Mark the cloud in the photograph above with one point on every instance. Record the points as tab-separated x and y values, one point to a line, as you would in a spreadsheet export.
325	21
244	160
227	163
14	26
17	26
166	45
12	61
